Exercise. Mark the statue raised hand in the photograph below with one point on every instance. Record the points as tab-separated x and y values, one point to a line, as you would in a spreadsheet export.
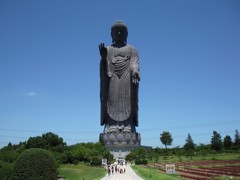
103	51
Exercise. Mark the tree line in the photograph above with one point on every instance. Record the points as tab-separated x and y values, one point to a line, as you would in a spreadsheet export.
217	143
87	153
189	149
93	153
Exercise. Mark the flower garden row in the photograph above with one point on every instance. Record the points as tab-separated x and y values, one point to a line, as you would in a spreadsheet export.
203	170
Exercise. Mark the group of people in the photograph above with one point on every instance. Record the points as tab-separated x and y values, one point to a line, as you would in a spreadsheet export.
116	168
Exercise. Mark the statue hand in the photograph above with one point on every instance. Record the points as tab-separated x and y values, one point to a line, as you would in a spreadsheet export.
135	76
102	50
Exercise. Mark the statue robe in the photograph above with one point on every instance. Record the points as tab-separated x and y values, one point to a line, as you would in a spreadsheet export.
119	96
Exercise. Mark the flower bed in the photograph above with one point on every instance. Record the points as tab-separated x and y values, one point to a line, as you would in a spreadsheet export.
204	170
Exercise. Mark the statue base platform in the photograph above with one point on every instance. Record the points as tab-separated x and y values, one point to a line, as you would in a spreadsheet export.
120	139
120	144
120	152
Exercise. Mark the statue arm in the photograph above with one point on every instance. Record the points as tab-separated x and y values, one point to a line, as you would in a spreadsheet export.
103	71
135	67
103	86
135	85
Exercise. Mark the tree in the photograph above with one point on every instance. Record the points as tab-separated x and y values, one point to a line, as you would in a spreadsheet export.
131	156
189	143
203	150
53	142
139	155
35	142
35	163
236	138
189	146
49	141
156	157
166	138
179	152
216	141
88	152
227	142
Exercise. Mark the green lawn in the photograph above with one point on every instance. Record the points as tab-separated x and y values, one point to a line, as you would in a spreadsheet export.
153	173
174	158
78	172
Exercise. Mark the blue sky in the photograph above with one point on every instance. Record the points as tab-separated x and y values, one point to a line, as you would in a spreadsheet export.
49	67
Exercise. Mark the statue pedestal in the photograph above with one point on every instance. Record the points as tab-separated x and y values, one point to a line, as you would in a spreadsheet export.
120	152
120	144
120	139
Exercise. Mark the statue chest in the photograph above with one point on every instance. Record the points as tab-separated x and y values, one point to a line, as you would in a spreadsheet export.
119	61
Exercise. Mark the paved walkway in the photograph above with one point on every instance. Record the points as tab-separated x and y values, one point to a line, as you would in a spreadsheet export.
128	175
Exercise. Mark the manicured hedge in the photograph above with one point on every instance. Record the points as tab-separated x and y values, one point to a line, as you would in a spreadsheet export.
35	164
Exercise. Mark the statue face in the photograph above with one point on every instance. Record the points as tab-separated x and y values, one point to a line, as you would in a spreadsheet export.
119	34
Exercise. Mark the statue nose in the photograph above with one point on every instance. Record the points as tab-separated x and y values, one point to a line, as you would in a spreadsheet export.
119	33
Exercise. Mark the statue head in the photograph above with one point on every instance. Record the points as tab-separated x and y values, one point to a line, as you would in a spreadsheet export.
119	32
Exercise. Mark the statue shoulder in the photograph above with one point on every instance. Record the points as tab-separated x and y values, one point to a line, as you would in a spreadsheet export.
132	48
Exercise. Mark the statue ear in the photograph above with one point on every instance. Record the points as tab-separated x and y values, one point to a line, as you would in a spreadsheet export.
126	37
112	37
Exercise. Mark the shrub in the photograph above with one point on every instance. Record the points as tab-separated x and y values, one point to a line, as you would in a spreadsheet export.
96	161
35	164
141	161
5	170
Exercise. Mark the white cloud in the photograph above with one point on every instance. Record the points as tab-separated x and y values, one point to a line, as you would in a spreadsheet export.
32	93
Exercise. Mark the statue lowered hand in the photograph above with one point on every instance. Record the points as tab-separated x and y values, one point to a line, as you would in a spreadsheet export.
135	76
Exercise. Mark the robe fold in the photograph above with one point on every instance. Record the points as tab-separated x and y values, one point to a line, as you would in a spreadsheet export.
118	95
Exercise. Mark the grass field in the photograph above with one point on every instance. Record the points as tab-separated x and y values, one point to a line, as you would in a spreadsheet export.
79	172
174	158
153	173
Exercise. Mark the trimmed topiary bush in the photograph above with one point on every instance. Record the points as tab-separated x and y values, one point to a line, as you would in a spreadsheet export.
35	164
